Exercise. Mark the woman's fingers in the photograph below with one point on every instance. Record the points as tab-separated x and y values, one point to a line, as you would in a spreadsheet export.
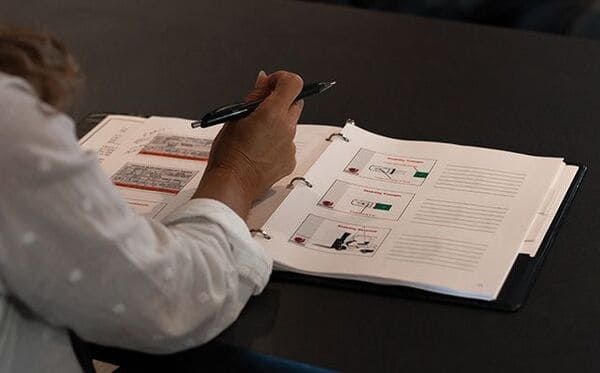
280	88
279	91
295	111
261	88
286	87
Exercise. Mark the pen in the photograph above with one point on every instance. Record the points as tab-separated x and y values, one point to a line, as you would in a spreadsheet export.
242	109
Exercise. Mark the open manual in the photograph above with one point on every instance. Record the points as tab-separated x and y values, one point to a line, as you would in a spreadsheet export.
443	218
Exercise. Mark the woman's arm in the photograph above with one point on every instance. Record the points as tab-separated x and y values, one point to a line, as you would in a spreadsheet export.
75	253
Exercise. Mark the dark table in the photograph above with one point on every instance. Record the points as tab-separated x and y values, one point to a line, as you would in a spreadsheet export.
400	76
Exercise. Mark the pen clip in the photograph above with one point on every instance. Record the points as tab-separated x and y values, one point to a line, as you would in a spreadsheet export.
227	107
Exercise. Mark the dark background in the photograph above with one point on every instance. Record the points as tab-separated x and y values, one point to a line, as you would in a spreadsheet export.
579	18
402	76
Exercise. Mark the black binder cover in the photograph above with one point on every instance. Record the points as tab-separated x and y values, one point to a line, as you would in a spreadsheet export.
512	296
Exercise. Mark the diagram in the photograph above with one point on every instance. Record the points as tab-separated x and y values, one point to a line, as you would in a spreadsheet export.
391	168
366	201
152	178
181	147
336	237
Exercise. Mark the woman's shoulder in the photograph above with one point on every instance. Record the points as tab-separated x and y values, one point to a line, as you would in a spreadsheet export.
8	81
24	117
34	134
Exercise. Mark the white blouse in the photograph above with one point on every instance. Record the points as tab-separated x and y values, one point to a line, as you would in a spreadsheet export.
74	255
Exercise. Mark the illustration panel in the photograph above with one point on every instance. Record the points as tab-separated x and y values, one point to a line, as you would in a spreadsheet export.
337	237
391	168
181	147
365	201
157	179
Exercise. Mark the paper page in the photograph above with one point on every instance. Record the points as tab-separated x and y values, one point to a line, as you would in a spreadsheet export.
158	162
310	143
437	216
544	218
110	134
534	225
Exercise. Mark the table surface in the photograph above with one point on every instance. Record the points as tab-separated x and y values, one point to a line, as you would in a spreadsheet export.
398	75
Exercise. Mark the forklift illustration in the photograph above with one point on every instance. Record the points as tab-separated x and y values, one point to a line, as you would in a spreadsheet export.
348	240
387	171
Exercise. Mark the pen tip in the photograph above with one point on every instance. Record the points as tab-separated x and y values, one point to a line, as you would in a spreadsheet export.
197	123
326	85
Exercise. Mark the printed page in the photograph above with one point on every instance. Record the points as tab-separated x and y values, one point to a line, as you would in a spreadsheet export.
533	225
436	216
158	162
110	134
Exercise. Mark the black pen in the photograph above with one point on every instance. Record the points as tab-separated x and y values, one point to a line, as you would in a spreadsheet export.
242	109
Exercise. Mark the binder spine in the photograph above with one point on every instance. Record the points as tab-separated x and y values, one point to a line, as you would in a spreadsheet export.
300	179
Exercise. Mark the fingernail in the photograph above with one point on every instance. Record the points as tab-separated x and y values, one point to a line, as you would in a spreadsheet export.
261	75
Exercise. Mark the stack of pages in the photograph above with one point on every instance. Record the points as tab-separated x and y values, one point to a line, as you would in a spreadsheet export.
444	218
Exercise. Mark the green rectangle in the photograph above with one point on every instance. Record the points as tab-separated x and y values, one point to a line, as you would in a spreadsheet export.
421	174
382	206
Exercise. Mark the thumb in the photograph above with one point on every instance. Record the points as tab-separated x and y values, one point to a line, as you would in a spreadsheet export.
261	88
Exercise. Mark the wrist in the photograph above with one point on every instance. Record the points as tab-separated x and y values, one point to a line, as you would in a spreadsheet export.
226	186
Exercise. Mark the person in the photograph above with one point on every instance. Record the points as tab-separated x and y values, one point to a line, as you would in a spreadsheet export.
74	256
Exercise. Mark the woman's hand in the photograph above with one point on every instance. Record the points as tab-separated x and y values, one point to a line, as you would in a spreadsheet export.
251	154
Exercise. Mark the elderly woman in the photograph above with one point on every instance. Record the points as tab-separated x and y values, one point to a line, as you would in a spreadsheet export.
74	256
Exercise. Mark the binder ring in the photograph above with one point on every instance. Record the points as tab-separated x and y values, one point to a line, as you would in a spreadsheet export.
337	134
260	232
299	178
350	121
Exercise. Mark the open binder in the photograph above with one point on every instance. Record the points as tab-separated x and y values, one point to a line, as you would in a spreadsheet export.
513	293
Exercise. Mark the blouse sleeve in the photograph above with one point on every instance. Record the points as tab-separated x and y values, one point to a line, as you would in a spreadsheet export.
77	256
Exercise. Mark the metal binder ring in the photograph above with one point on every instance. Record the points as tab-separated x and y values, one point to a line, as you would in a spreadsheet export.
260	232
299	178
337	134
